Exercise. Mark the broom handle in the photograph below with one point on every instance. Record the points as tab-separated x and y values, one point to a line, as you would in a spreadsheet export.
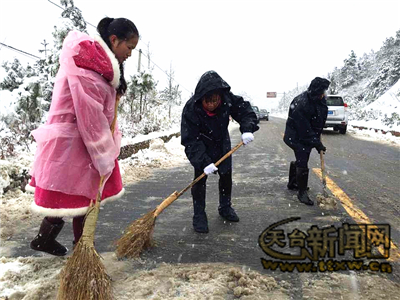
322	167
216	164
175	195
93	212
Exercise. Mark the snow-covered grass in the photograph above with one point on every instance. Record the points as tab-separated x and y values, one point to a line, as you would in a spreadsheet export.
153	135
381	114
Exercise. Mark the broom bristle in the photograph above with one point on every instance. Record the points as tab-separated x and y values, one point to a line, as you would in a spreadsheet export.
137	237
84	276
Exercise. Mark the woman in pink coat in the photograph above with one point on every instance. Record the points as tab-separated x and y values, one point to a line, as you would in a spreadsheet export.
76	147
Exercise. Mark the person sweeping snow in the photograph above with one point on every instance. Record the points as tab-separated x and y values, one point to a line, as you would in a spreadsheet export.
205	135
76	147
307	116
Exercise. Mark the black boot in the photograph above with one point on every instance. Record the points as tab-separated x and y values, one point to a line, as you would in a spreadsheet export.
225	205
292	185
46	239
200	223
302	181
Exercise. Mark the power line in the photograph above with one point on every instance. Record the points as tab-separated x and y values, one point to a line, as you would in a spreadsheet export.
20	51
163	70
75	7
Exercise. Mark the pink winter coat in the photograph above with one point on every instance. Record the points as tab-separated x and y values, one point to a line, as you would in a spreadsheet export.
75	146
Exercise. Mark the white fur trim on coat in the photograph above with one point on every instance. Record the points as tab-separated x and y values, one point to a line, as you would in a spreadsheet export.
70	212
30	189
113	59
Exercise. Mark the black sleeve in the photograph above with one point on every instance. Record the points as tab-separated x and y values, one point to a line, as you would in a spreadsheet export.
190	138
242	112
303	126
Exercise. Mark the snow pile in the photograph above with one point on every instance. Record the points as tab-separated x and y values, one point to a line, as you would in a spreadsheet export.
38	278
154	120
8	101
33	278
365	286
15	214
127	140
383	113
14	170
4	177
198	281
159	155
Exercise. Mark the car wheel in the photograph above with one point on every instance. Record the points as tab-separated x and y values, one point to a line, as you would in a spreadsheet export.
343	130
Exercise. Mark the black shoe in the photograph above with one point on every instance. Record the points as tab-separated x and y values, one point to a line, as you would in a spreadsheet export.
303	197
229	214
200	223
45	241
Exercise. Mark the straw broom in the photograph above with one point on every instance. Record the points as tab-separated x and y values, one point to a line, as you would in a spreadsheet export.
139	234
84	276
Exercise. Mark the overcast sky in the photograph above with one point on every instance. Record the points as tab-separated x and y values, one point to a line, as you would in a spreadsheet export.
256	46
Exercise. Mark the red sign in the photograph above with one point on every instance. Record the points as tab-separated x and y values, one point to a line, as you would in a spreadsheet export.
271	94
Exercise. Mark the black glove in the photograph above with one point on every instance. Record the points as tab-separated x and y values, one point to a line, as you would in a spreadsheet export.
320	147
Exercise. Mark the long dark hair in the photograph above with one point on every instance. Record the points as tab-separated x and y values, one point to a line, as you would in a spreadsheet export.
124	29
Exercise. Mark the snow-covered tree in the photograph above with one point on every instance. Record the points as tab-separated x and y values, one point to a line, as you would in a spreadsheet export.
140	88
15	75
171	93
388	68
350	70
32	86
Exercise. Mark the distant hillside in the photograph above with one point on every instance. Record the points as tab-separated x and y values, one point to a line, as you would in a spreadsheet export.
364	80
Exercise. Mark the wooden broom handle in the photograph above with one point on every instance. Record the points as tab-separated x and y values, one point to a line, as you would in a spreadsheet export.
321	154
175	195
216	164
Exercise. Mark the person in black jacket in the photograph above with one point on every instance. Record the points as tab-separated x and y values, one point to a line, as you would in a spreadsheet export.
307	116
204	133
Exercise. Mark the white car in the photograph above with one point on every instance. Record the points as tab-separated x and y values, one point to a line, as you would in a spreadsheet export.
337	113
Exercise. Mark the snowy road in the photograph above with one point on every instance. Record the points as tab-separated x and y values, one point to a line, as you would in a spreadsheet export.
365	172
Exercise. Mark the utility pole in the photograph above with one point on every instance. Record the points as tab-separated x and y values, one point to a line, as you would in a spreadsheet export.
45	48
140	59
148	55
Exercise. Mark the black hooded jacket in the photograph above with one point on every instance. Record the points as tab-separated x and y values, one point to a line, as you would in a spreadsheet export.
307	117
206	138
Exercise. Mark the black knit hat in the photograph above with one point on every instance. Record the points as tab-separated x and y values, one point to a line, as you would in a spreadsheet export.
318	86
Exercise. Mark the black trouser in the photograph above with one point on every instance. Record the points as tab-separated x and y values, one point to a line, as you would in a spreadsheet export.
302	158
199	191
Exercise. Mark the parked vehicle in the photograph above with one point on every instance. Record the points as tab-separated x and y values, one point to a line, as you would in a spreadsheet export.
264	114
257	111
337	113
